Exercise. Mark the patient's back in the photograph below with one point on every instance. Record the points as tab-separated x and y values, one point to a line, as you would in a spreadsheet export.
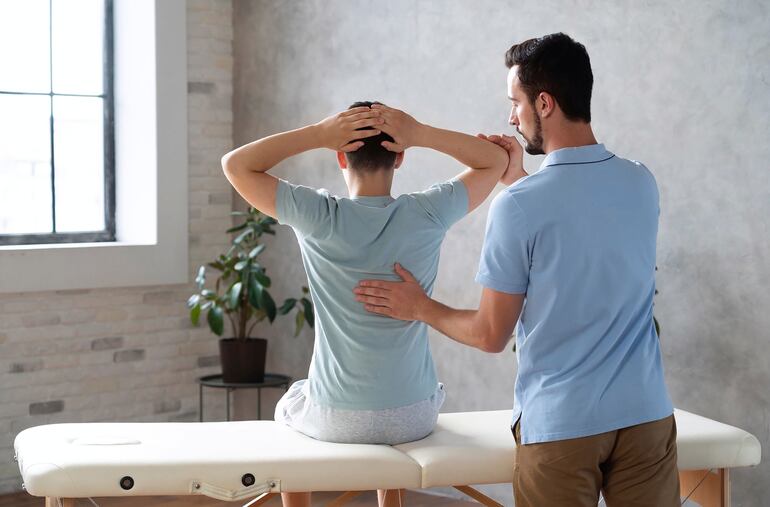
362	361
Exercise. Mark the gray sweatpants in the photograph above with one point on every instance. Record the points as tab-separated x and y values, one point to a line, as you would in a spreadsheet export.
388	426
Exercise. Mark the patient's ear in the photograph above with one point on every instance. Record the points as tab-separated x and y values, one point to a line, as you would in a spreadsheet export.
342	160
399	159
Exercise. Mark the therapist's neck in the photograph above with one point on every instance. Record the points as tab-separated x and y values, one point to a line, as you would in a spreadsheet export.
368	183
563	133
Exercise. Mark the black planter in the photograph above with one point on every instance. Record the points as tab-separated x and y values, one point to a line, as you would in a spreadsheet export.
243	360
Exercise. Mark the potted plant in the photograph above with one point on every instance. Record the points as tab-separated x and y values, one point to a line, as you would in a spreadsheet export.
241	294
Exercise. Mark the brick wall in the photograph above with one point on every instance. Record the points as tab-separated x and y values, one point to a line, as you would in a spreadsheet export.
129	354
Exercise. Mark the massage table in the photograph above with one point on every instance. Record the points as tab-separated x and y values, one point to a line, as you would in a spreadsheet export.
258	459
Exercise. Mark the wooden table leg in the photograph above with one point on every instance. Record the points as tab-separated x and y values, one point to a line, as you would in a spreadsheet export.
52	501
709	488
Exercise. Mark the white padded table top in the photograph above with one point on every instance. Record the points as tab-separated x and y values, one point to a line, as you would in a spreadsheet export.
466	448
704	443
478	447
89	459
82	460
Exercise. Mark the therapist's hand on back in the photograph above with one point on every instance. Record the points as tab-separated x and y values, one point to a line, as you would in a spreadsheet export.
398	300
515	169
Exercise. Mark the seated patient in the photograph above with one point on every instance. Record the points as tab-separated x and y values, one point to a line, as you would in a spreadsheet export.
371	379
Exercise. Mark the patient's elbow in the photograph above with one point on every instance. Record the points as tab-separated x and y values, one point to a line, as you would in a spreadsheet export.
228	164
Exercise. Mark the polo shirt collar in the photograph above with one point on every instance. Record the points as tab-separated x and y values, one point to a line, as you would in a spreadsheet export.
579	155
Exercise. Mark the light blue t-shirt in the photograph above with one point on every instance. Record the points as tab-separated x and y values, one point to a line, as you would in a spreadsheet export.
578	238
363	361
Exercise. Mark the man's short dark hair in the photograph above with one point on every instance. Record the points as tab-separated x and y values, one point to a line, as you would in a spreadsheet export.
558	65
371	156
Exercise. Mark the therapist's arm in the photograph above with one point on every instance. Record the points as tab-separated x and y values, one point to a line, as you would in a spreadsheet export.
489	328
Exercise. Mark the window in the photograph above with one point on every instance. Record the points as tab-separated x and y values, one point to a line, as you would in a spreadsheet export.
57	169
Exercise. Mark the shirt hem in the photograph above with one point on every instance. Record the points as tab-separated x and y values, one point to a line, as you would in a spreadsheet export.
593	430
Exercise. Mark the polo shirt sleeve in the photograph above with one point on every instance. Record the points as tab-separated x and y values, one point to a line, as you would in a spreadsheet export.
445	203
506	254
307	210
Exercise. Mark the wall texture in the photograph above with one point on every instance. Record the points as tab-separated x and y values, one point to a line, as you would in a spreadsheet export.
129	354
683	87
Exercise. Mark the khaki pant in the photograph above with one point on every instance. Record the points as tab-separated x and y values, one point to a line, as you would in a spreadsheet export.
632	467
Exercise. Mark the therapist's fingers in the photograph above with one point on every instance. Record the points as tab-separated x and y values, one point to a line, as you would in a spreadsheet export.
371	300
379	310
372	291
380	284
404	274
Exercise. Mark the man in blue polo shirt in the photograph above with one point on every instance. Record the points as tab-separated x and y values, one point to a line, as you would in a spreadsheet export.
568	261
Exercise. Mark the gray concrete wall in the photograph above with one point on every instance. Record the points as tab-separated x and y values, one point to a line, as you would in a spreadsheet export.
684	87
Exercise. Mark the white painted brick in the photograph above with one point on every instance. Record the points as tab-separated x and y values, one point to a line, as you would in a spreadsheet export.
58	327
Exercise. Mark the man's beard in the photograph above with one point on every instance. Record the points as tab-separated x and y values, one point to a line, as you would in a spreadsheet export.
535	146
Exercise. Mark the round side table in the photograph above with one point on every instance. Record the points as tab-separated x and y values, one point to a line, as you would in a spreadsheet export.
215	381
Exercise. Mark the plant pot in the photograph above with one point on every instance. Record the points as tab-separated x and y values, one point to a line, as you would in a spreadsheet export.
243	360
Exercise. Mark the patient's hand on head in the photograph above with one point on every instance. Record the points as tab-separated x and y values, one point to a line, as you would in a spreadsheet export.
403	128
399	300
340	132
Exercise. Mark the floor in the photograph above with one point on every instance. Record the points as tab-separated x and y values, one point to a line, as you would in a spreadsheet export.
367	499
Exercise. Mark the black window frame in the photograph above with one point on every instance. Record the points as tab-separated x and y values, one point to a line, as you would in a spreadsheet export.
108	233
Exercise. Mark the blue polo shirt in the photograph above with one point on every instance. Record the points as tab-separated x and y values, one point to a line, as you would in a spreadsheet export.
578	238
364	361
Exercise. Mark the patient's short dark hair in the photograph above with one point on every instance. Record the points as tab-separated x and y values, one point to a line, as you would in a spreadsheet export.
371	156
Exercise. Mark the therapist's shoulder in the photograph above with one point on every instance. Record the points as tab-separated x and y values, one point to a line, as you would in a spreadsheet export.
642	175
521	193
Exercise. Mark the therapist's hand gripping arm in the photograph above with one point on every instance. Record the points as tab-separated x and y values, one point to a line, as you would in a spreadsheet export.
488	328
246	167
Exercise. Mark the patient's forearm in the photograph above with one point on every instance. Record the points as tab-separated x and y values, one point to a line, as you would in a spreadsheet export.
263	154
468	150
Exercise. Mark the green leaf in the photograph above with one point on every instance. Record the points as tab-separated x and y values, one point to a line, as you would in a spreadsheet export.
216	321
305	290
237	227
201	278
235	294
287	306
195	314
266	303
254	290
242	236
308	311
299	320
194	299
208	294
239	213
240	265
256	251
262	278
